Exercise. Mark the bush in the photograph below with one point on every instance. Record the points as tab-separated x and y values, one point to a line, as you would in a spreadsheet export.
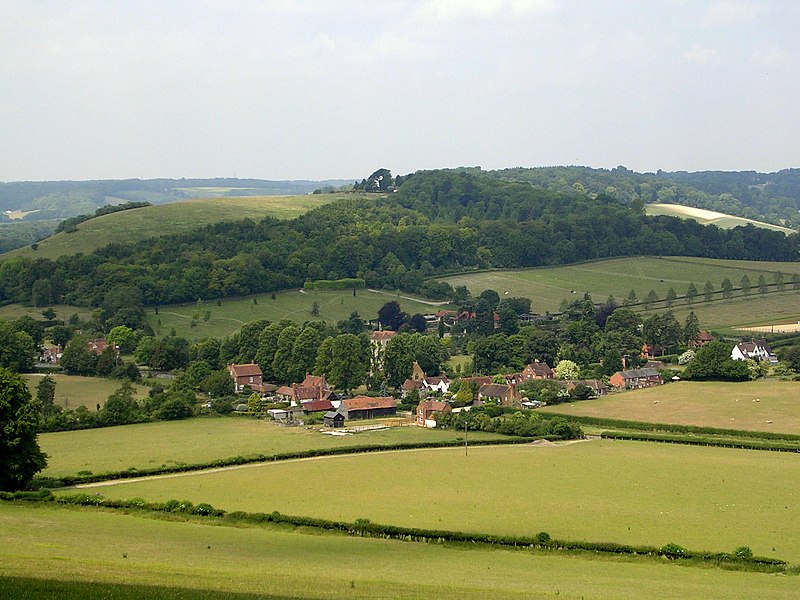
743	552
673	551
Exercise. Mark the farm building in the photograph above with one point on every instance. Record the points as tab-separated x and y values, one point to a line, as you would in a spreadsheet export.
312	388
315	406
633	379
426	411
365	407
333	419
245	375
701	339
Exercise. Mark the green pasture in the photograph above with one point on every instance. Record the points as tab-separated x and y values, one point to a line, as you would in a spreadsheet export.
742	311
294	304
73	391
12	312
59	552
202	440
176	217
628	492
723	221
762	405
549	286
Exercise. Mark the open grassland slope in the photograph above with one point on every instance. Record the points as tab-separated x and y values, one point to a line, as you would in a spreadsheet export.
152	221
168	559
209	319
727	316
73	391
708	217
628	492
763	405
203	440
549	286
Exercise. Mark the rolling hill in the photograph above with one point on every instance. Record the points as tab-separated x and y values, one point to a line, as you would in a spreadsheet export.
152	221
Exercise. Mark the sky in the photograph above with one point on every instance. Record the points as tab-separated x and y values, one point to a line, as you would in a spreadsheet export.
322	89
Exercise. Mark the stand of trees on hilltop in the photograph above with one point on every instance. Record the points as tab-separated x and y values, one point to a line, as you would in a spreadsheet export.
438	221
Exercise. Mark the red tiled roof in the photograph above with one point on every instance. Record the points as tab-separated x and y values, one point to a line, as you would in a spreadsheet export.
433	406
444	313
285	390
494	390
248	370
379	336
411	384
366	403
482	380
317	406
314	381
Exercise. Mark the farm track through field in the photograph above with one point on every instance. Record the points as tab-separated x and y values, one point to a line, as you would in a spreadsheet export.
428	302
112	482
188	317
640	276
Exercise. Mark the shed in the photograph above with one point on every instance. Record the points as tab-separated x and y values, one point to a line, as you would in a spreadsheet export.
333	419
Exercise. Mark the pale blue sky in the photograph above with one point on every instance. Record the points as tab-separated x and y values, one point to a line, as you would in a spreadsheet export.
325	89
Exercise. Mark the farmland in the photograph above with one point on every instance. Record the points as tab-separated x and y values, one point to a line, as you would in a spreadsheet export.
63	311
202	440
227	317
628	492
751	405
176	217
708	217
73	391
549	286
194	560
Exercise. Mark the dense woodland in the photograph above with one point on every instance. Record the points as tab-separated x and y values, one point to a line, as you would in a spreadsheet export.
436	222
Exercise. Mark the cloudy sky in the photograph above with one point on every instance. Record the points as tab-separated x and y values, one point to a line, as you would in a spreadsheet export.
296	89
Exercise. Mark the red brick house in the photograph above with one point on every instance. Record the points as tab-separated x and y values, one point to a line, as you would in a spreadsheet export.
598	387
97	346
245	375
651	351
426	411
507	395
313	387
702	338
537	370
635	379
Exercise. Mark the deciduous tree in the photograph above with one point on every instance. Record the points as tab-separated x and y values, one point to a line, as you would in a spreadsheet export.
20	455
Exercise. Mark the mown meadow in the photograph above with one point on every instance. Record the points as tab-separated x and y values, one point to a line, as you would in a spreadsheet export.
81	553
761	405
73	390
626	492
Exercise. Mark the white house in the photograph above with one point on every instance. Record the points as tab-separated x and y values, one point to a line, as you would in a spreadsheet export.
758	351
436	384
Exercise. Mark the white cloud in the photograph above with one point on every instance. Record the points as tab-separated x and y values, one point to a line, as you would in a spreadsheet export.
701	55
449	10
731	12
770	57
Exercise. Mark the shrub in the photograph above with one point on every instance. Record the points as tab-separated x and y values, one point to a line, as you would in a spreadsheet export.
673	551
743	552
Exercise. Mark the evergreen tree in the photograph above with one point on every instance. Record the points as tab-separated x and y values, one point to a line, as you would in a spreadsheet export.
691	328
46	396
691	293
708	291
744	283
727	289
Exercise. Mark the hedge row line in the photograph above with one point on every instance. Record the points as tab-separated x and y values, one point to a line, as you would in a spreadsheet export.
673	427
70	480
335	284
702	441
741	558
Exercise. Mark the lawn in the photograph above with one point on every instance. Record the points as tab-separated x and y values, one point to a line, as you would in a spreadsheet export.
629	492
763	405
73	391
182	559
549	286
228	317
176	217
203	440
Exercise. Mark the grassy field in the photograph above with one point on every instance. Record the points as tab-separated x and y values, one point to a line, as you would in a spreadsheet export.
73	391
763	405
726	315
629	492
176	217
63	311
233	313
547	287
99	554
708	217
202	440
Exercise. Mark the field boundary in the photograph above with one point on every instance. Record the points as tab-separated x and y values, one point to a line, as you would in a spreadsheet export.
740	559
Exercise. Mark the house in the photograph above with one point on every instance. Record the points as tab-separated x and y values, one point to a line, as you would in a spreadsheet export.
409	385
758	351
440	384
447	315
635	378
598	387
333	419
701	339
313	387
507	395
97	346
51	355
417	374
514	378
426	411
377	342
245	375
479	381
537	370
365	407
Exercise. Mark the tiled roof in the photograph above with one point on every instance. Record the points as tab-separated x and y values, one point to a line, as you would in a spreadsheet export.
366	403
494	390
379	336
317	406
248	370
433	406
639	373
